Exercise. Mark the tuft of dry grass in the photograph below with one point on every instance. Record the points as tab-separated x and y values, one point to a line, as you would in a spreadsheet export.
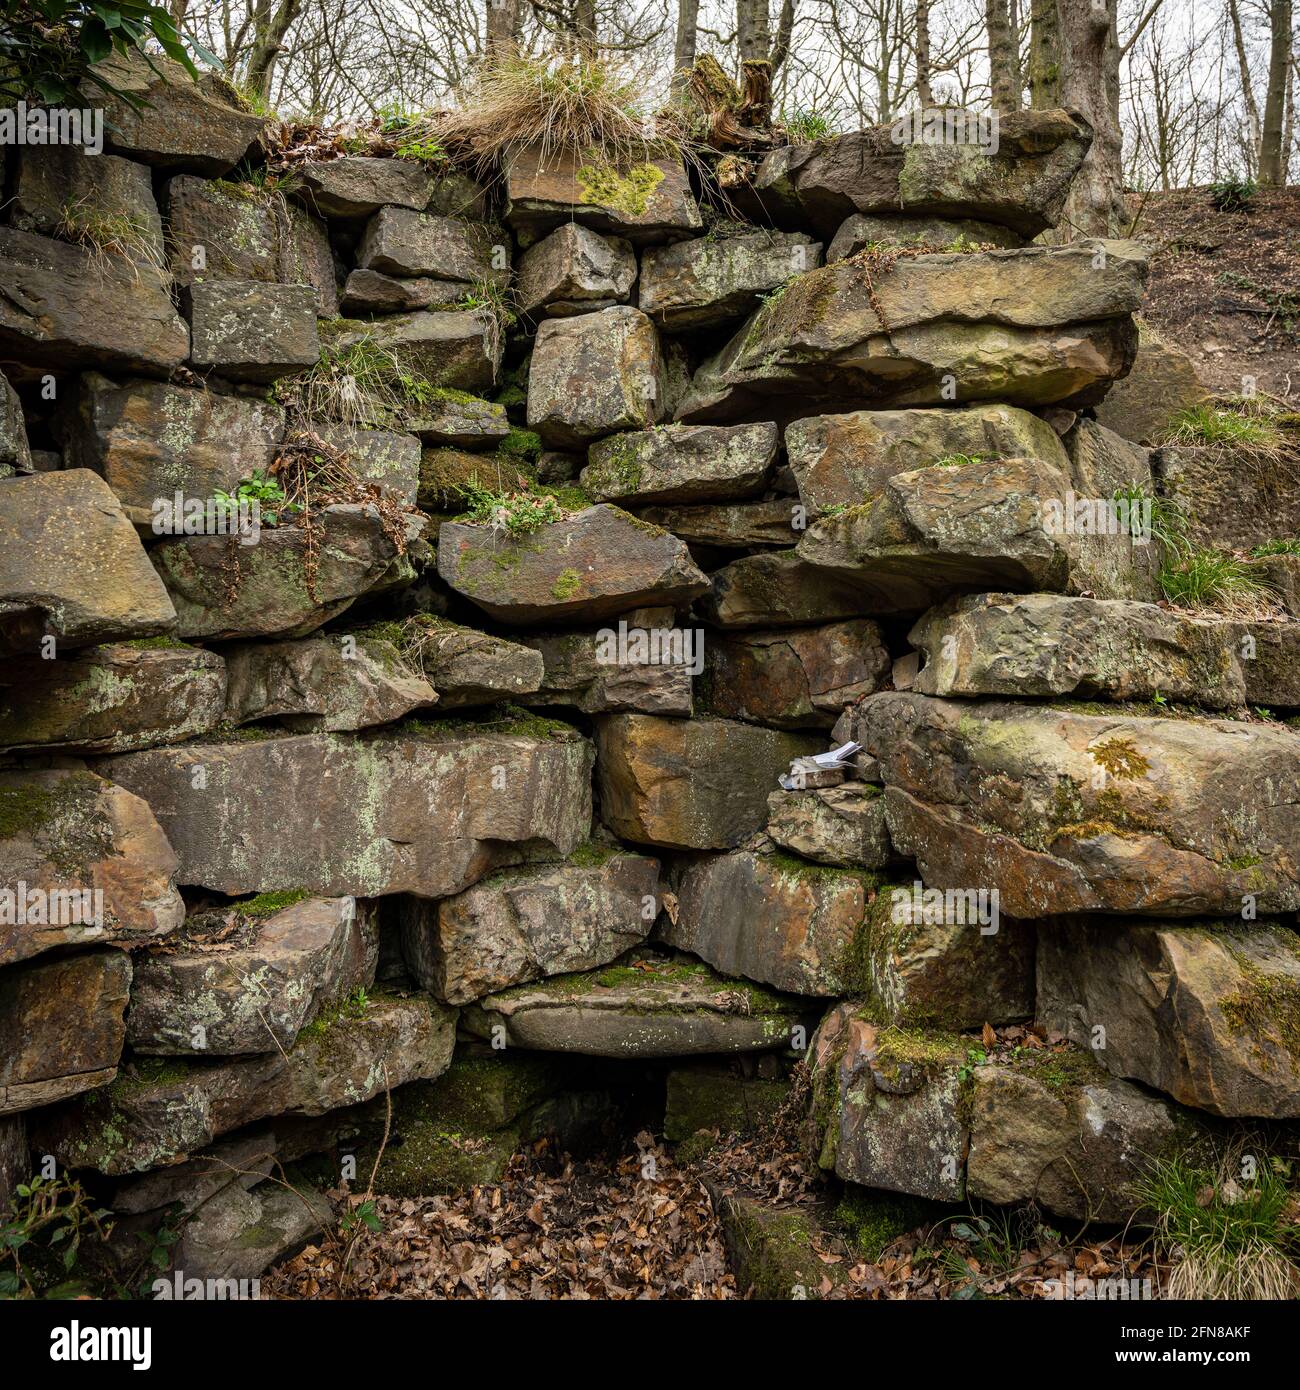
110	236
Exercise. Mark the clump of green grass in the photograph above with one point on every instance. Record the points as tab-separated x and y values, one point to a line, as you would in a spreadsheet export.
957	461
1168	521
1230	1236
1227	426
1233	194
1212	579
1277	547
357	383
803	127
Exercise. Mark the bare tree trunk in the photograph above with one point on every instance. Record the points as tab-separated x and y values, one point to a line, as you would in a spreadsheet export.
1247	91
1089	83
753	29
1272	170
269	31
784	31
1044	55
1004	77
688	19
923	73
504	24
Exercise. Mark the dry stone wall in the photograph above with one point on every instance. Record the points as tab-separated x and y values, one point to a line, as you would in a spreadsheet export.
457	766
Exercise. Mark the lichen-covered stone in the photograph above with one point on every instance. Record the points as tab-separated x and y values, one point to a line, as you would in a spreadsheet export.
455	350
593	374
469	667
332	684
654	1008
842	825
371	292
150	440
859	231
778	590
57	190
159	1111
251	331
240	1233
1051	644
113	698
682	463
387	457
216	992
529	923
1208	1016
843	460
1069	811
1229	503
61	1027
15	452
645	201
461	421
88	580
399	241
359	185
575	271
773	919
422	809
578	671
595	564
689	784
66	307
731	526
707	283
799	678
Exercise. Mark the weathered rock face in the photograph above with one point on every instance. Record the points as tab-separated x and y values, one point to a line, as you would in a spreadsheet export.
175	123
1205	1015
730	526
973	526
1162	382
112	699
1228	506
575	271
57	189
525	924
682	463
468	667
595	564
705	284
706	1095
1020	182
423	811
149	440
88	580
1027	327
399	241
774	919
593	374
66	308
61	1027
266	589
239	1233
371	292
331	684
15	1160
1049	644
779	590
15	452
860	230
586	670
461	421
689	784
644	202
161	1113
842	825
657	1008
219	231
213	992
67	837
1070	812
800	678
357	186
457	351
1269	654
843	460
251	331
386	457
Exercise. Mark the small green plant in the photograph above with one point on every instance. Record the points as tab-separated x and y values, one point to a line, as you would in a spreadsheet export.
517	513
1229	1227
1233	194
364	1215
1280	547
41	1237
1167	520
426	149
804	127
266	492
358	382
1210	579
957	460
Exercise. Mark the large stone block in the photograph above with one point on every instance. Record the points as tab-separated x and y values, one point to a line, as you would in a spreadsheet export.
842	460
1064	811
112	699
359	185
779	590
799	678
689	783
587	671
595	564
706	283
251	331
399	241
82	862
1163	382
1207	1016
842	825
15	452
72	566
65	307
731	526
682	463
58	191
230	984
529	923
456	350
419	810
1230	501
469	667
594	374
61	1027
575	271
859	230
